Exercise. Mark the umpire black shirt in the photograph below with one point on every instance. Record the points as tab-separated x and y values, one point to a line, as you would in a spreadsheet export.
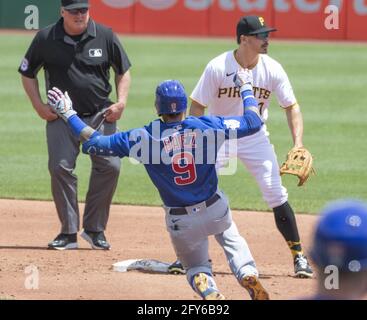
79	65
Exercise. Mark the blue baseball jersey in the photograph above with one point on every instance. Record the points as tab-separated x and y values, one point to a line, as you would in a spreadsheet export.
179	157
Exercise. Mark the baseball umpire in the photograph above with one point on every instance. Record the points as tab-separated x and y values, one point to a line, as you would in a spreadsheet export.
77	54
179	156
216	92
340	251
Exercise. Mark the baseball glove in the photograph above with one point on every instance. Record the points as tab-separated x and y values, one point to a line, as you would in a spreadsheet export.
299	163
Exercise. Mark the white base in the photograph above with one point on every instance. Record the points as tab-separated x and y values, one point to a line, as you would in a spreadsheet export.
141	264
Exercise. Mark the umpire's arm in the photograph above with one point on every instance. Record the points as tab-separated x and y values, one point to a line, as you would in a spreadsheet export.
31	87
122	82
122	86
121	65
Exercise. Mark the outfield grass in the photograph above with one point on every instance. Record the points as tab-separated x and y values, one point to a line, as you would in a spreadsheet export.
329	80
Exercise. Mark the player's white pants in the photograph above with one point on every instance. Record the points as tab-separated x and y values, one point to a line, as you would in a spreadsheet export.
258	155
189	235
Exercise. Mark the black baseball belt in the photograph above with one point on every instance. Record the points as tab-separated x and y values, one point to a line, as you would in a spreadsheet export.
182	211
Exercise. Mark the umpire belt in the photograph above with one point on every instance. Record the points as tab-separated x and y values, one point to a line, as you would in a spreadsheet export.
182	211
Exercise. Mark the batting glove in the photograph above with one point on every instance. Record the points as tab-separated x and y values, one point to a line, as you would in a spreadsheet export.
60	103
243	79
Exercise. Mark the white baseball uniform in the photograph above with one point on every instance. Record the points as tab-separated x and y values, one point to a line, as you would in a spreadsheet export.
216	91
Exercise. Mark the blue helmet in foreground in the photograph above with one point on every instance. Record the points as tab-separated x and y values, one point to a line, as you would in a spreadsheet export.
170	97
341	236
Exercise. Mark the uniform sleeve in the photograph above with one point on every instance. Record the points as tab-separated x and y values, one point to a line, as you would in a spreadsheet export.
114	145
283	88
207	86
33	60
120	144
236	126
119	60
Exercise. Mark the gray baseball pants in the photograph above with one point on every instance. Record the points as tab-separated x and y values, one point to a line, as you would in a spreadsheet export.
63	150
189	235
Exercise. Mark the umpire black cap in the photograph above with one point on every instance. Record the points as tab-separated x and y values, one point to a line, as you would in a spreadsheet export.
252	25
75	4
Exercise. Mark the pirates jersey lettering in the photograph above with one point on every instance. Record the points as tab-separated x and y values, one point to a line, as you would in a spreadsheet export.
216	91
234	92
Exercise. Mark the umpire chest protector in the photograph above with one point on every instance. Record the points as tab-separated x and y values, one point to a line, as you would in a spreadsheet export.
77	64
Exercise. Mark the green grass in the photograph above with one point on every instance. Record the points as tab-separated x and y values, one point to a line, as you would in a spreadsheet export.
328	78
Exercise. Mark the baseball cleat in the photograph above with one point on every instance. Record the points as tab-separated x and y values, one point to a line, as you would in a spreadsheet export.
203	287
176	268
302	268
96	239
64	242
254	288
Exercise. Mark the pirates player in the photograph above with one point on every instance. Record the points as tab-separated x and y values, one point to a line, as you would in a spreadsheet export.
216	92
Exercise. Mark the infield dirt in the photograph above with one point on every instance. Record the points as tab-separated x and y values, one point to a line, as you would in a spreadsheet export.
134	233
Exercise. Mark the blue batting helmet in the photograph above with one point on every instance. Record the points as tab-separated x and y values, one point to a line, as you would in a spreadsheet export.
341	236
170	97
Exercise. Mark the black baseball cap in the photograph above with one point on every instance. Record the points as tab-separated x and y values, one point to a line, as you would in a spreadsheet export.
252	25
75	4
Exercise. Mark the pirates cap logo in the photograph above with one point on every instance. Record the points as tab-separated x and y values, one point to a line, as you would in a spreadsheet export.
262	21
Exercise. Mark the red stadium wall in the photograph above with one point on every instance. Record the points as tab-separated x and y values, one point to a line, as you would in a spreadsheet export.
223	18
120	19
307	20
357	20
294	19
177	19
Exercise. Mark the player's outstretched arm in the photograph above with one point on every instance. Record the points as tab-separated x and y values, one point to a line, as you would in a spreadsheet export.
243	80
251	121
63	106
94	142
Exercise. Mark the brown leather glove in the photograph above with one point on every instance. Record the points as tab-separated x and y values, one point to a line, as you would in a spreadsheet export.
299	163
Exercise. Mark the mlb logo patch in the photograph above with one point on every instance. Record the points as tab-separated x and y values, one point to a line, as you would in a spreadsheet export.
24	65
95	53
